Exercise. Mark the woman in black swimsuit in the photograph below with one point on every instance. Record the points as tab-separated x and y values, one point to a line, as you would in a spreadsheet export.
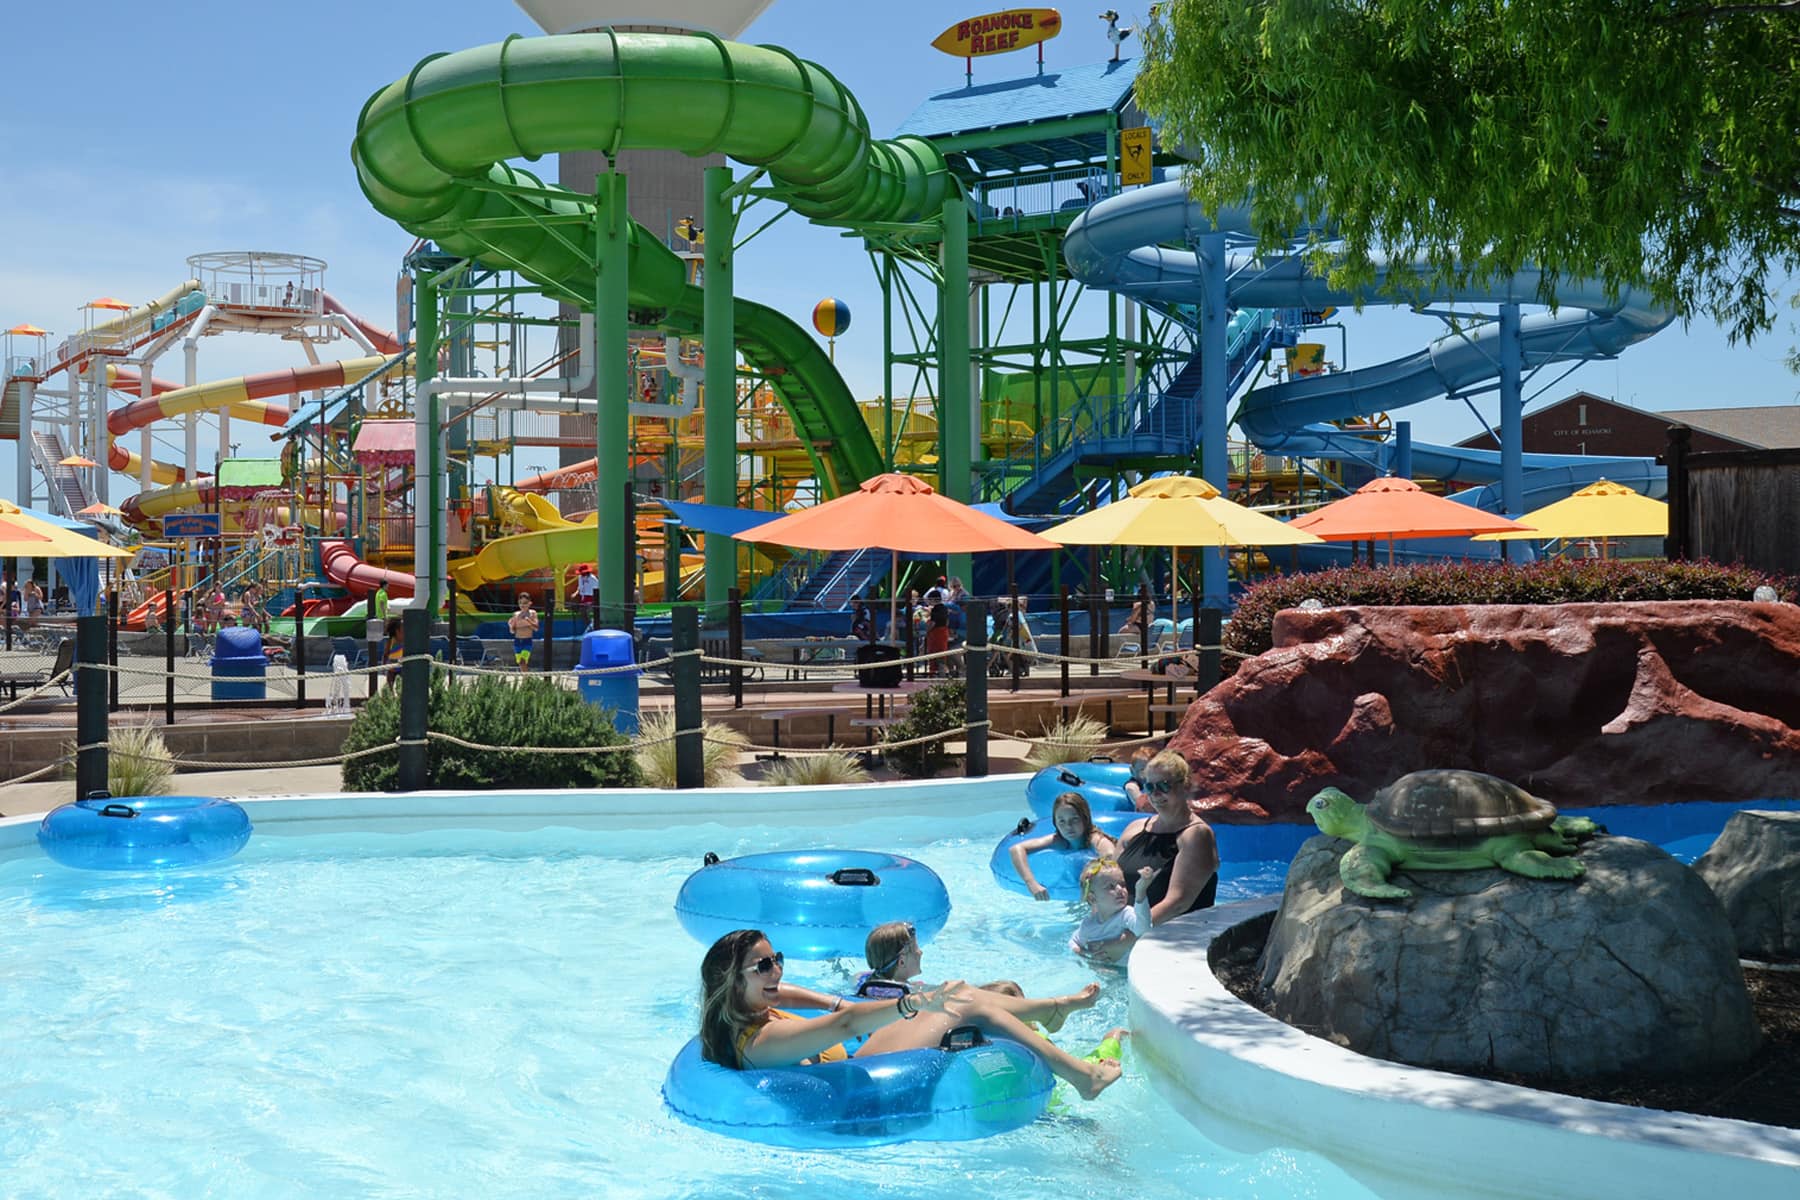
1173	842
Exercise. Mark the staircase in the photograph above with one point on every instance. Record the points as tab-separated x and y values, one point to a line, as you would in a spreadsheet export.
68	494
843	576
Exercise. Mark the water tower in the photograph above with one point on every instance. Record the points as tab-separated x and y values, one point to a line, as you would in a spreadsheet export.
666	185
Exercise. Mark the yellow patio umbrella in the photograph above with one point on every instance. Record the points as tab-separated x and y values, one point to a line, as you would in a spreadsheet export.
1602	510
76	460
1176	510
25	536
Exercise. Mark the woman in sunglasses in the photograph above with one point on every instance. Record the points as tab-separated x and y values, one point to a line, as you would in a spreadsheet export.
742	1027
1178	846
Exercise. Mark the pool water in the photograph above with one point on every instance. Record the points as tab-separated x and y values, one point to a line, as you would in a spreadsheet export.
459	1013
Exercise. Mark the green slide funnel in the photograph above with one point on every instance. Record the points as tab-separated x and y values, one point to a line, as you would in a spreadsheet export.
432	149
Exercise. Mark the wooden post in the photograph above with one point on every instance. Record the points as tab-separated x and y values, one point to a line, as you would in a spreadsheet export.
734	642
415	692
90	707
1678	543
1063	597
168	657
690	747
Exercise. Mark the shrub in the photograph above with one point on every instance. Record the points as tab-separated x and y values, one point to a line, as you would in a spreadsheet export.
656	757
1067	741
937	709
1556	581
138	762
522	711
817	770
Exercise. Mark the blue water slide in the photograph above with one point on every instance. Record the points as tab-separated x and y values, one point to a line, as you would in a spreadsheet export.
1128	243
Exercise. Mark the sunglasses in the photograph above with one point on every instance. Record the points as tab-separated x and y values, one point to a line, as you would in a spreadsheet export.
1159	787
765	965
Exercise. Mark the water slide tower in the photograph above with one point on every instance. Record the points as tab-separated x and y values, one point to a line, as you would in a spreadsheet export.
666	185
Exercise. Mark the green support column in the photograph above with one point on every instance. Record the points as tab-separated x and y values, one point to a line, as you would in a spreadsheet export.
953	365
429	531
720	417
612	382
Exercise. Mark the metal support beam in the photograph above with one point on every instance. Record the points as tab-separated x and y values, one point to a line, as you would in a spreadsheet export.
428	523
1512	412
954	400
719	421
1215	462
612	380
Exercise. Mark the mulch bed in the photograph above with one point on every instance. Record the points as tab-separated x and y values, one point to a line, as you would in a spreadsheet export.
1764	1088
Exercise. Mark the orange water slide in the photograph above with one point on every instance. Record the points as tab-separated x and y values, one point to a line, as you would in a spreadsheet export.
383	341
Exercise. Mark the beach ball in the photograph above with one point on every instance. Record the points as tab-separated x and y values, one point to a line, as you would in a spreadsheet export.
831	317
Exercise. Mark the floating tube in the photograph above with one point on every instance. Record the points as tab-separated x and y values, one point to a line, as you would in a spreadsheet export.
907	1096
812	903
1101	784
1058	870
137	833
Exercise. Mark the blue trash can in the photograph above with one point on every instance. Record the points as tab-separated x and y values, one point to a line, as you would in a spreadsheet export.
616	690
239	666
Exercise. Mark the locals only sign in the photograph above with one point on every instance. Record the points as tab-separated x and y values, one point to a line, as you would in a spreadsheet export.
996	33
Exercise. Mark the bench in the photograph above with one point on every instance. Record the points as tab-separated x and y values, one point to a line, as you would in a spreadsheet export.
777	716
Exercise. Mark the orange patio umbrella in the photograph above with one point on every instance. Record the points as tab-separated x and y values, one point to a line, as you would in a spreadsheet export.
76	460
28	330
897	513
1398	509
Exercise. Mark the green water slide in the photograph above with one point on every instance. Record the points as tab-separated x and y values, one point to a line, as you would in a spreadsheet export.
432	152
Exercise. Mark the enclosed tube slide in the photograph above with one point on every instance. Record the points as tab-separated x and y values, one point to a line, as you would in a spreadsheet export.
427	145
337	558
1117	245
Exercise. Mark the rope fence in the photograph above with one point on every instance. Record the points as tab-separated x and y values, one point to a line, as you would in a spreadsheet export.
688	665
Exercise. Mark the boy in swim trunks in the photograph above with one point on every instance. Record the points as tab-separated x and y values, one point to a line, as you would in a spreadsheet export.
523	625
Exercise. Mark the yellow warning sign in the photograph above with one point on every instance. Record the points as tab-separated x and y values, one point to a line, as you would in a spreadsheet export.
1134	155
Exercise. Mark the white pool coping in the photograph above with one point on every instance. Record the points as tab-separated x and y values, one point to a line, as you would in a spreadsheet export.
1251	1082
615	808
1246	1080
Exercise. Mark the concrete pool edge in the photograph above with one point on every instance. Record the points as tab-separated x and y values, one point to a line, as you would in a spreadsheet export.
1248	1081
618	808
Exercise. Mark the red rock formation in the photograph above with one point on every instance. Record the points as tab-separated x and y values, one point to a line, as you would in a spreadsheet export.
1581	703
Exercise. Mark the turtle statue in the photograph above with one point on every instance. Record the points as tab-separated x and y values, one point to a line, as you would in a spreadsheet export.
1448	820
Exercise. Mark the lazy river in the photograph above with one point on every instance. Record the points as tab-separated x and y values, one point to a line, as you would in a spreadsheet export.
450	995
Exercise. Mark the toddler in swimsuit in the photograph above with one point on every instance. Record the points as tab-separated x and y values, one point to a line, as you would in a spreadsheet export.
1111	926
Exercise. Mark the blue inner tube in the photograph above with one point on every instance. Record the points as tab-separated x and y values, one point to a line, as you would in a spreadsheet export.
1059	870
136	833
812	903
906	1096
1102	784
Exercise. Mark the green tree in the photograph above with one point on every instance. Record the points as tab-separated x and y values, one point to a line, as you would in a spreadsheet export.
1653	141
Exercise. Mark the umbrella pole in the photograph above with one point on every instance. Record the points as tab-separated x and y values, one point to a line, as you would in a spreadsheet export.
894	596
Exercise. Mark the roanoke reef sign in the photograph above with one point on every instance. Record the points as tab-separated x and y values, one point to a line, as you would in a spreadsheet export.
996	33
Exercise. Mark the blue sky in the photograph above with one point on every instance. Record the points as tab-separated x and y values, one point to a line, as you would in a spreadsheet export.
136	135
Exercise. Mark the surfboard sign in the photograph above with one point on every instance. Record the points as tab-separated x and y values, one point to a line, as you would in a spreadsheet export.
997	33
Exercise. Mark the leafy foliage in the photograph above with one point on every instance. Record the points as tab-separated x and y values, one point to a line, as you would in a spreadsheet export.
1583	581
656	757
1068	740
937	709
522	712
1606	139
817	770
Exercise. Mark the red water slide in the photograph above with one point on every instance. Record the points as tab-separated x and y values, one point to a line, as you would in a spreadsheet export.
383	341
357	577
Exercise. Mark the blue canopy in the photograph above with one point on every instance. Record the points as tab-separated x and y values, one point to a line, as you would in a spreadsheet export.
716	518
